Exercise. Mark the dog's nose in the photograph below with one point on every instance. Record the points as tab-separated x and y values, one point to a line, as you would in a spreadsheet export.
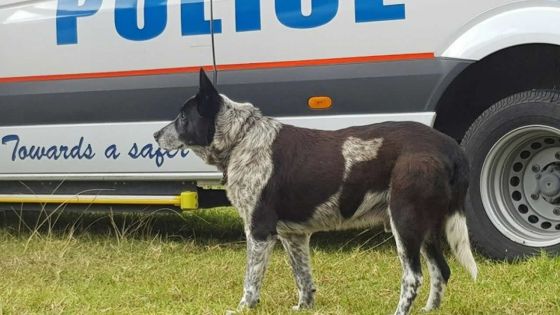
157	134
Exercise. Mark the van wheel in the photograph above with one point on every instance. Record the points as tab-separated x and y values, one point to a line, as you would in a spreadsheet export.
513	204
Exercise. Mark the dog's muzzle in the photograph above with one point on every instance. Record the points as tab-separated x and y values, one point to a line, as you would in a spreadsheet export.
167	138
158	134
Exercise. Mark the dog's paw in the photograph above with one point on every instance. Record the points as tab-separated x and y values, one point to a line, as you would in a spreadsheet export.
297	308
244	304
301	307
427	309
241	308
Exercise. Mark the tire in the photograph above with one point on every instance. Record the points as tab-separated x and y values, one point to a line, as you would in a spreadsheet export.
513	203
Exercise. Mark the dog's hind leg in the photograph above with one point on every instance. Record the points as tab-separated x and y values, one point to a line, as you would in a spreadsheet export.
408	249
297	247
258	255
420	199
439	271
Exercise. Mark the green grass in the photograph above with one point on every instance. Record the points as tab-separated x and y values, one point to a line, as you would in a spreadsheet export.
194	264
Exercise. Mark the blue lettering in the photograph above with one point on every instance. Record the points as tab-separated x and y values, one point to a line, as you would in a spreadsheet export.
76	151
67	14
289	13
126	19
64	152
247	15
192	19
10	138
36	153
170	154
88	153
146	152
193	22
112	152
133	152
53	152
22	153
375	10
149	152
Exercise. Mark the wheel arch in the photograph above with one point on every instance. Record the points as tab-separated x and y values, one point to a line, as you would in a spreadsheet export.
517	23
503	73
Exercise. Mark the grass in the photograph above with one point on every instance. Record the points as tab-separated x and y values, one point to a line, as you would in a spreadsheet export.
194	264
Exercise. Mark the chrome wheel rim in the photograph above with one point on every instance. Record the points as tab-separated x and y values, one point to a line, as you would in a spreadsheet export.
520	185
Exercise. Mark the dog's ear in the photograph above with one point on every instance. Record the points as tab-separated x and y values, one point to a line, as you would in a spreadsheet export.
209	100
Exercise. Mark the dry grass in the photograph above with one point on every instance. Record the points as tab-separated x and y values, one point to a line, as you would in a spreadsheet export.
194	263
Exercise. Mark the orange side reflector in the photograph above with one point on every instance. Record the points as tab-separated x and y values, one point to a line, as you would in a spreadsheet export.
319	102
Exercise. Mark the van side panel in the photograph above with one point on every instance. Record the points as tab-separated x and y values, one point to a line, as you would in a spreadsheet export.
84	83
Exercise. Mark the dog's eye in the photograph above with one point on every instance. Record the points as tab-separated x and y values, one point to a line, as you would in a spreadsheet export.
182	115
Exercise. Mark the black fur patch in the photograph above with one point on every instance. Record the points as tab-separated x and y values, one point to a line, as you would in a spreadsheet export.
196	122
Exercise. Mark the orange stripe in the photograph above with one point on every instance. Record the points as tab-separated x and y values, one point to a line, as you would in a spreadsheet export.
322	62
95	75
244	66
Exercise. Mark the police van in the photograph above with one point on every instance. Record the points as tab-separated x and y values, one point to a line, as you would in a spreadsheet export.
85	83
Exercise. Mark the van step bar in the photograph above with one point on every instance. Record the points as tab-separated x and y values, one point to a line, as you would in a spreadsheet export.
186	200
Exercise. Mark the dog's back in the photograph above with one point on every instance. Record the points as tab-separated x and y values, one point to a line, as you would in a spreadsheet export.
344	167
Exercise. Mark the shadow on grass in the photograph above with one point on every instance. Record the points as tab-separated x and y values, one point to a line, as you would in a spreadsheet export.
203	227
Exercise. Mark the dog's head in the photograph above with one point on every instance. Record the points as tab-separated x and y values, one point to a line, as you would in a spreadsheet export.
195	124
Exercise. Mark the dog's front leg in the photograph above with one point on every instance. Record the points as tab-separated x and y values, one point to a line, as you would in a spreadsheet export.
297	247
258	254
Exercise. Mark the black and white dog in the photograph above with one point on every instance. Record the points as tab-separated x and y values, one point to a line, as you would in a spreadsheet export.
288	182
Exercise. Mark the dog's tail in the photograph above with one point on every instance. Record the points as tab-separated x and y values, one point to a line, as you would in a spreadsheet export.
458	239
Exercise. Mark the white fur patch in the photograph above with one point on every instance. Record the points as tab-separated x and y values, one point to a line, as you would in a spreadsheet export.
371	201
458	238
327	216
356	150
437	284
410	281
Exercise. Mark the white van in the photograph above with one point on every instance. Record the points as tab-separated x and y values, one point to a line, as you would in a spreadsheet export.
85	83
